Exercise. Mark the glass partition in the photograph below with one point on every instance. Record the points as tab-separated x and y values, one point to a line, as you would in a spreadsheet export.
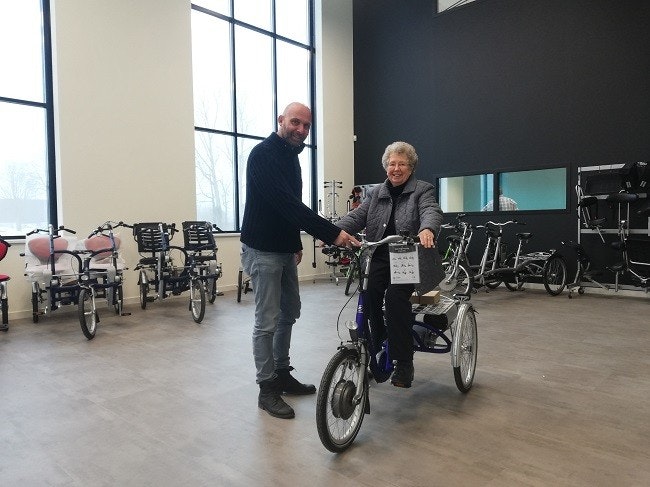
466	193
543	189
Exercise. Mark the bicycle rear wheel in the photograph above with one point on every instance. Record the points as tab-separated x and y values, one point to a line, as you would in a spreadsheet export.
464	347
514	283
87	313
338	416
554	275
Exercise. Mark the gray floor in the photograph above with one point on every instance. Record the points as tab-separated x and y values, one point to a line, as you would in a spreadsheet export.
560	398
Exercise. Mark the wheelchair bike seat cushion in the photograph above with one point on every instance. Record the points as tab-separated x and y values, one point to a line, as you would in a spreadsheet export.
99	242
3	250
40	247
4	277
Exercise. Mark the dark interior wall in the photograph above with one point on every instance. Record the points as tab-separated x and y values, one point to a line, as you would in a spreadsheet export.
503	85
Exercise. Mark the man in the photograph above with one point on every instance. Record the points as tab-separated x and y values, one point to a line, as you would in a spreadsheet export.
273	218
505	204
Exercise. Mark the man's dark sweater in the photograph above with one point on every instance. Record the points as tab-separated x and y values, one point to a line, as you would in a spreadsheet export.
275	213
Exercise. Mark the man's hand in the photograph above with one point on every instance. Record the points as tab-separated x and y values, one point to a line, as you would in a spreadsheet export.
346	240
298	257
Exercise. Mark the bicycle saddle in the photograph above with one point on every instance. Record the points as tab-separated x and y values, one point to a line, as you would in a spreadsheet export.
622	197
524	235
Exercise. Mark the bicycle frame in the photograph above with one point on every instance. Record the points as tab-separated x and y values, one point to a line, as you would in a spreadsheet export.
379	361
343	395
622	244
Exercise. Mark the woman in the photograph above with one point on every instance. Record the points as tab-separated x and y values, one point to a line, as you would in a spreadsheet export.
401	204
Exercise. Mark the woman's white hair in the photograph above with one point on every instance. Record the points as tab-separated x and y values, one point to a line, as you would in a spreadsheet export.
400	147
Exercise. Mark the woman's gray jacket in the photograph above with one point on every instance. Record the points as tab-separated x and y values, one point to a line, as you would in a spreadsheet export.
416	210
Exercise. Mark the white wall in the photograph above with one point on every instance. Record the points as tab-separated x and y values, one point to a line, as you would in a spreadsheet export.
124	123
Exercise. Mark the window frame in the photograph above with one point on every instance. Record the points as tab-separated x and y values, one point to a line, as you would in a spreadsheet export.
235	134
48	106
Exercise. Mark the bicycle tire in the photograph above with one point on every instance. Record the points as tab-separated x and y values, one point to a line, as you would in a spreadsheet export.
338	419
554	275
197	299
5	313
119	302
211	284
35	311
240	282
464	348
144	290
461	282
87	311
518	282
493	284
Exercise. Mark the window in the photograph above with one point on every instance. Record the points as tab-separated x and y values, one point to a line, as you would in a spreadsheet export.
542	189
27	186
250	59
465	193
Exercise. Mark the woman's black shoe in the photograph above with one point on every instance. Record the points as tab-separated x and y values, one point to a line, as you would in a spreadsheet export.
403	374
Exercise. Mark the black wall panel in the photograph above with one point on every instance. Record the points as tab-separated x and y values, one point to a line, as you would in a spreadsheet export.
503	85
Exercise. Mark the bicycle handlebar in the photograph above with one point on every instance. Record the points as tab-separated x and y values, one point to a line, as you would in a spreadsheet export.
509	222
109	226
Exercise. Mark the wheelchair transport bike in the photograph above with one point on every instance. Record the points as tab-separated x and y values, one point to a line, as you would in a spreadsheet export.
63	271
167	270
199	244
343	396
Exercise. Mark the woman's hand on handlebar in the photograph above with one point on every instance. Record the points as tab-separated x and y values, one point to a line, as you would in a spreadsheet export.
427	238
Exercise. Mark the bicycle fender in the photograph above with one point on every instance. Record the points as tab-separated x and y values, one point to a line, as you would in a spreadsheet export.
463	310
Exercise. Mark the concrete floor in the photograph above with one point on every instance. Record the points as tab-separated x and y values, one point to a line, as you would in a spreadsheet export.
560	398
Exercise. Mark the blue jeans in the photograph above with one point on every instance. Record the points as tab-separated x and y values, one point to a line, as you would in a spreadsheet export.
277	307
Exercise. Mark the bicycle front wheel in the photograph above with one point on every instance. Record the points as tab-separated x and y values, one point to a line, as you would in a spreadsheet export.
197	299
554	275
456	282
464	347
87	313
338	415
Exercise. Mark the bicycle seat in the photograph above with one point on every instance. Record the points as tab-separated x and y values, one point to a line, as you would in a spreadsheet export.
587	201
524	235
622	197
453	238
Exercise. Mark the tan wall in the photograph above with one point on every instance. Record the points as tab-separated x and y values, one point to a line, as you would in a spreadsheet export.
124	123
